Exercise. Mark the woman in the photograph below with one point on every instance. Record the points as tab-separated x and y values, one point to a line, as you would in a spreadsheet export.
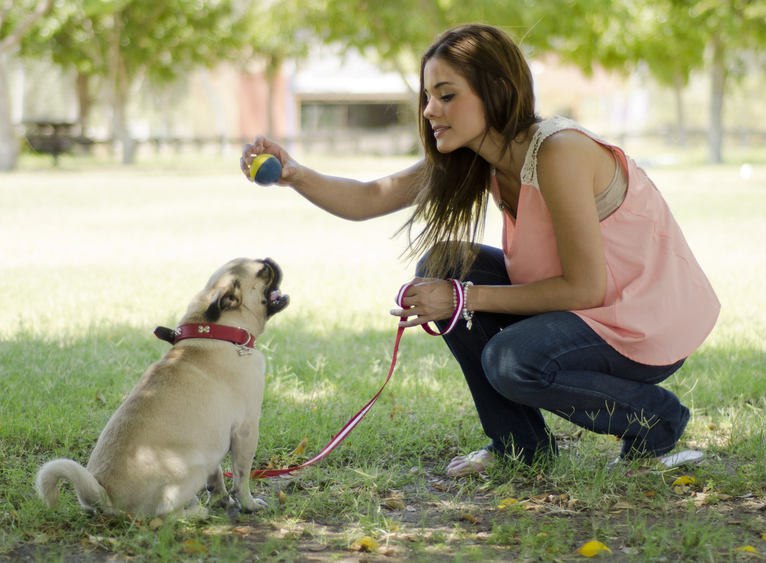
595	296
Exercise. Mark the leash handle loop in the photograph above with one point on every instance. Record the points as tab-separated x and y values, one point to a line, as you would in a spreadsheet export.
460	298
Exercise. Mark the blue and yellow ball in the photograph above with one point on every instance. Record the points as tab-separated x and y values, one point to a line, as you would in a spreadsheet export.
265	170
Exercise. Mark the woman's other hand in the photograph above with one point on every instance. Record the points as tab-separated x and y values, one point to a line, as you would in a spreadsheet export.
425	301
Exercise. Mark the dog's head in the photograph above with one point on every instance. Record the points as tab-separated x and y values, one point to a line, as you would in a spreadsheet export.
244	292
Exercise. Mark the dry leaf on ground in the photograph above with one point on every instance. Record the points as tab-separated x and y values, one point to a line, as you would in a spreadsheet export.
193	546
365	543
593	548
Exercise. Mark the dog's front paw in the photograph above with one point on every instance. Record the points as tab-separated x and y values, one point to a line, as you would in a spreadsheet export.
252	504
225	502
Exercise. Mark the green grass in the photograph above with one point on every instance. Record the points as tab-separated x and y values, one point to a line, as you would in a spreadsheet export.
94	257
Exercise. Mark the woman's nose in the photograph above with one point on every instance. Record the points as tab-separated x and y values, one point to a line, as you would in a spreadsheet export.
429	110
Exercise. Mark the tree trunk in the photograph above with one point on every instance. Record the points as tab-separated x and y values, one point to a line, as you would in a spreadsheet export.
9	145
678	87
120	134
718	82
84	100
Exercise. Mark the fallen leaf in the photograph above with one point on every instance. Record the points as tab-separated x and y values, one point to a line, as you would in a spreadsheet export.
193	546
701	499
505	503
593	548
301	447
394	504
747	549
472	519
155	524
622	505
574	504
683	480
365	543
281	497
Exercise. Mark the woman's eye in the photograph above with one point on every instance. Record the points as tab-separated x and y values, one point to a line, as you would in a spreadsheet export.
448	97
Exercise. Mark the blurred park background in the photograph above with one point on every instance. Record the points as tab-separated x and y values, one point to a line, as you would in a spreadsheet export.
674	81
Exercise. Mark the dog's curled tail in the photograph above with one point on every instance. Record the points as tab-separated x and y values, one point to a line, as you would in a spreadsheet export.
89	492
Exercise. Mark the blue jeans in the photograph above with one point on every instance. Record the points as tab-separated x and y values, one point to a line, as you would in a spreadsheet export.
517	365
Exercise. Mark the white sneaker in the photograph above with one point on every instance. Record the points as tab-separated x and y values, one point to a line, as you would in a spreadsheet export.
475	462
679	459
686	457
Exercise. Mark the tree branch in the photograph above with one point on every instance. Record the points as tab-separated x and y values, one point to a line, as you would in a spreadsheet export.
43	7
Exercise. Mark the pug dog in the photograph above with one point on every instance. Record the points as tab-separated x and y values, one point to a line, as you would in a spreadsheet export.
199	402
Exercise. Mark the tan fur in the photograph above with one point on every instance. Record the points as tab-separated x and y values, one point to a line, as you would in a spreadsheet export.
200	401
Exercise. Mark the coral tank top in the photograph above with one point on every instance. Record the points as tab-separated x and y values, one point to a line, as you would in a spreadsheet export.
659	305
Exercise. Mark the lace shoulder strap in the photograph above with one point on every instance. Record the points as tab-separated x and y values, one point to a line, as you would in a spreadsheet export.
546	129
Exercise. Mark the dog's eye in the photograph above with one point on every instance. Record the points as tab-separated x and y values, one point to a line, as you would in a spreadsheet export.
263	302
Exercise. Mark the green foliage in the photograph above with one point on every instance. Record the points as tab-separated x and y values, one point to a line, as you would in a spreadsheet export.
16	18
157	39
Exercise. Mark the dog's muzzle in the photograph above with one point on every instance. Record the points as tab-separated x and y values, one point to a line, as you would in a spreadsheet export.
276	301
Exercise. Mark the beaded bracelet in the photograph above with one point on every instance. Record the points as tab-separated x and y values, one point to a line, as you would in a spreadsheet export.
466	314
458	302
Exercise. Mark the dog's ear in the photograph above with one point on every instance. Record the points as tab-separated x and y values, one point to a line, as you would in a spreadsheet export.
225	299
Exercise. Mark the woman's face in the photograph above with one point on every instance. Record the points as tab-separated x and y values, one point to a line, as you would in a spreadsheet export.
455	112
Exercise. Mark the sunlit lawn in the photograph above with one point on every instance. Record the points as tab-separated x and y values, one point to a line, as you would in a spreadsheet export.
92	259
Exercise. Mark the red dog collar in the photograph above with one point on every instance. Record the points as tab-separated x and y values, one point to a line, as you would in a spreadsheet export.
238	336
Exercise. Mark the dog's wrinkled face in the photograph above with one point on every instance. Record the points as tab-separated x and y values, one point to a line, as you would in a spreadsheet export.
250	286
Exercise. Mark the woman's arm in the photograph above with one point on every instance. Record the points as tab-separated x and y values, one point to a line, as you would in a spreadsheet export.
571	168
344	197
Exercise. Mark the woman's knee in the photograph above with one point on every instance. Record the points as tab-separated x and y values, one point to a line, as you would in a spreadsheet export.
510	373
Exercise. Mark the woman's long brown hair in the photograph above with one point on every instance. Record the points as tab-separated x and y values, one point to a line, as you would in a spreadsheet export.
453	189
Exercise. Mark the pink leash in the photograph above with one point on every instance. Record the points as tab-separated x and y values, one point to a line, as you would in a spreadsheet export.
357	418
